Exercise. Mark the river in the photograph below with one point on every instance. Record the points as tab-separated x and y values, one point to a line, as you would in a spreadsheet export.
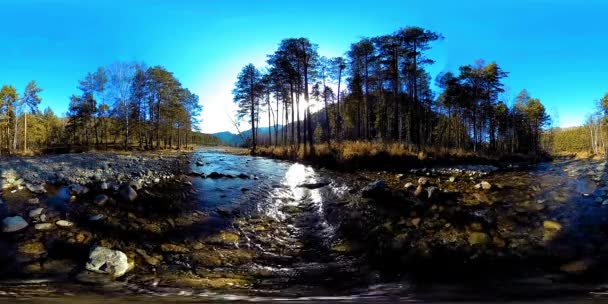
267	230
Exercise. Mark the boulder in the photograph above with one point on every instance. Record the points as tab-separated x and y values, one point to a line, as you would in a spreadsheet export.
552	225
127	193
409	186
107	261
420	192
13	224
215	175
374	189
484	186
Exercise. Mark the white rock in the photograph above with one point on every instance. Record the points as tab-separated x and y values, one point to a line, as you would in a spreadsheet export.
64	223
35	188
14	223
33	201
107	261
43	226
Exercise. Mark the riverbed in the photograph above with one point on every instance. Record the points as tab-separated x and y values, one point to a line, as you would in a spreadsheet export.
210	226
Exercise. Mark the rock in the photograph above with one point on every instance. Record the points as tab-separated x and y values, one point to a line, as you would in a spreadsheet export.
215	175
64	223
452	179
1	201
43	226
36	213
433	192
104	186
416	222
127	193
136	184
35	188
199	163
483	185
552	225
100	200
244	189
420	192
96	217
33	201
223	238
107	261
313	186
13	224
152	260
78	189
409	186
423	181
374	189
31	248
478	238
173	248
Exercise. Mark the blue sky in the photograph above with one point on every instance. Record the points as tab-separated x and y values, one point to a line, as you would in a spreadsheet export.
556	49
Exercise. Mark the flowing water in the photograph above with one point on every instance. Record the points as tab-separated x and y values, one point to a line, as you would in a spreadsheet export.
288	213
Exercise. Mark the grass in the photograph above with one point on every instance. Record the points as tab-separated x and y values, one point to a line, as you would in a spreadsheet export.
352	155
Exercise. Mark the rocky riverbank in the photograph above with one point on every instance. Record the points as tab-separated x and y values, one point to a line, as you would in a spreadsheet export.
136	221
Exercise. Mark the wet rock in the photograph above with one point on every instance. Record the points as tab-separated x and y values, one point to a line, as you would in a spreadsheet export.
152	260
174	248
374	189
101	199
31	248
35	214
423	181
244	189
416	222
13	224
452	179
35	188
127	193
107	261
33	201
43	226
313	186
215	175
104	186
409	186
64	223
223	238
478	238
199	163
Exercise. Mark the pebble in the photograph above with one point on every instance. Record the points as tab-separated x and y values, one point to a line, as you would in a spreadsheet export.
43	226
64	223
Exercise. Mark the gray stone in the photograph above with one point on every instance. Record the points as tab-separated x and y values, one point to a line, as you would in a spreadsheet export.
33	201
104	186
35	188
433	192
127	193
107	261
13	224
374	189
96	217
36	213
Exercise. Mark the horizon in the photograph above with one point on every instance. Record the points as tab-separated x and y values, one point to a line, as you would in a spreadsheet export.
206	44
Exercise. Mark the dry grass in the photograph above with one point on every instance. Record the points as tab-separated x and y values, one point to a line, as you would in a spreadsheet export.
365	154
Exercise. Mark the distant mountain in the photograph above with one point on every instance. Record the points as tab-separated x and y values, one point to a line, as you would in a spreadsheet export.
232	139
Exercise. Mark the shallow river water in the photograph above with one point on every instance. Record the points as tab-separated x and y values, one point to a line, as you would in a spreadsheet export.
298	243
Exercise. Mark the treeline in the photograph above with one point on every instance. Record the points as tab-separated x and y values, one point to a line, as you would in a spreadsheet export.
594	132
123	105
380	91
